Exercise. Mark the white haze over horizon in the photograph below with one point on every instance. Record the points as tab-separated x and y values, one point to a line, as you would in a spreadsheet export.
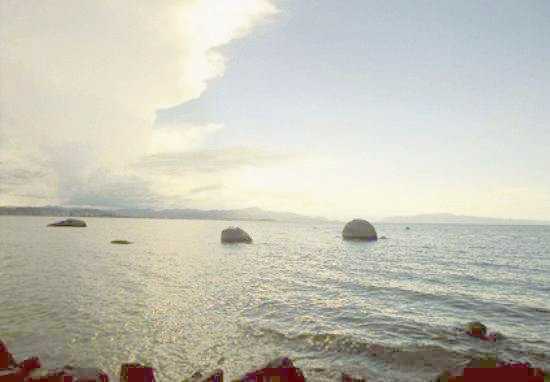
85	85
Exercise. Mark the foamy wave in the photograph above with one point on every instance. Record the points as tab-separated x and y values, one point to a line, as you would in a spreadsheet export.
414	356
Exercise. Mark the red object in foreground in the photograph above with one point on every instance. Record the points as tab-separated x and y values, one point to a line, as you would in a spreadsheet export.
501	374
11	375
30	364
492	337
135	372
498	371
281	369
54	377
6	358
141	374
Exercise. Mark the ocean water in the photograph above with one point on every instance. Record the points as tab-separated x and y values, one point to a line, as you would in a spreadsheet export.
180	300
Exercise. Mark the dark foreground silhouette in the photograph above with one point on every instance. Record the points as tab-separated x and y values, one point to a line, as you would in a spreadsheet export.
279	370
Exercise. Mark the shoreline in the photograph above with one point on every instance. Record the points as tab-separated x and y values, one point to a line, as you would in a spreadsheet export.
281	369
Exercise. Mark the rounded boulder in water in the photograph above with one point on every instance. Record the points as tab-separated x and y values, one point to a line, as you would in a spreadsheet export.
359	229
235	235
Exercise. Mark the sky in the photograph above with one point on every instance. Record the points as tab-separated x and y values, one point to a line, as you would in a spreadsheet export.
340	109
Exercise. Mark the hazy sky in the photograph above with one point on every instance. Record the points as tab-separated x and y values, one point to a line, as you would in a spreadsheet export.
335	108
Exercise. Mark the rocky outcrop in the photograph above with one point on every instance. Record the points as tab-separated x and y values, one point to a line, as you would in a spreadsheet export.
235	235
359	229
68	223
6	358
280	369
492	369
130	372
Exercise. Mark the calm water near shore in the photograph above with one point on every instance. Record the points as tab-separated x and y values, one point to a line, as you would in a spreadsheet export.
178	299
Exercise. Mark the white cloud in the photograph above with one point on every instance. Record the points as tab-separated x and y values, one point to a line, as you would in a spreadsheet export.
209	161
81	81
180	138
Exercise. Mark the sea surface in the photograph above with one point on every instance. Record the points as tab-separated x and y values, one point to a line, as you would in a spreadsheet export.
181	301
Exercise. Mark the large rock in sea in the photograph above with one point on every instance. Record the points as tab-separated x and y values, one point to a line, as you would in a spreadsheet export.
68	223
359	229
235	235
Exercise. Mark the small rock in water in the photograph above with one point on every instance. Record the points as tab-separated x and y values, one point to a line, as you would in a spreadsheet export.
476	329
81	374
68	223
120	242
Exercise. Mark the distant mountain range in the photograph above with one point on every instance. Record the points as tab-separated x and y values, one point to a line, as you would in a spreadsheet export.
460	219
250	214
255	214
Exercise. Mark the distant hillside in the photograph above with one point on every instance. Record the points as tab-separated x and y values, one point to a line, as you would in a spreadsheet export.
255	214
460	219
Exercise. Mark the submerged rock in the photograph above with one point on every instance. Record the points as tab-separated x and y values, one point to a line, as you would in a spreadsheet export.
215	376
120	242
235	235
69	374
85	374
359	229
350	378
68	223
